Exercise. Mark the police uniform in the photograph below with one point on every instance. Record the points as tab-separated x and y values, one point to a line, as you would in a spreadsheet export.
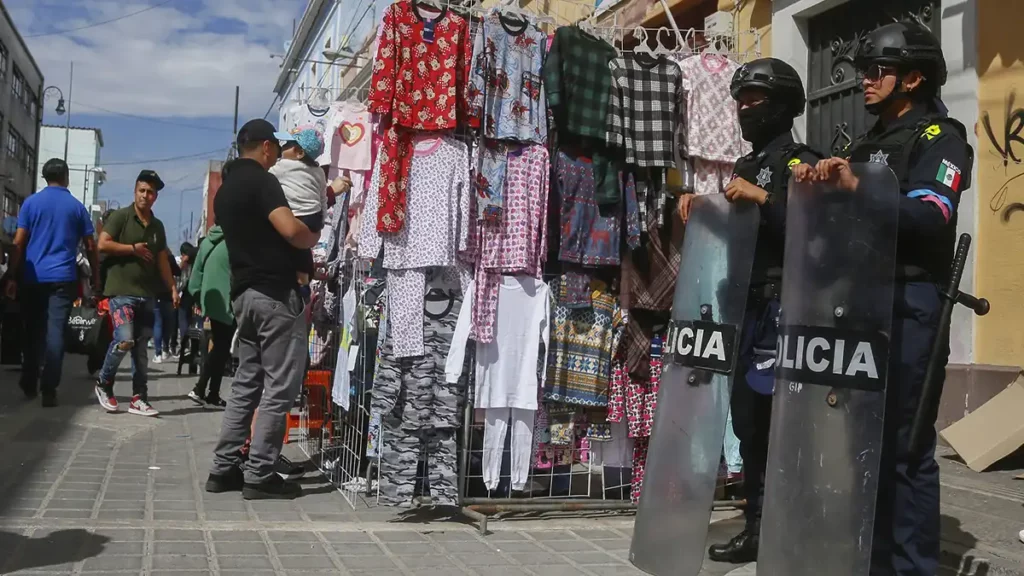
770	169
930	156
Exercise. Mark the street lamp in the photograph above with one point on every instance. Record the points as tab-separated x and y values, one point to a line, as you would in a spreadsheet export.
98	172
60	110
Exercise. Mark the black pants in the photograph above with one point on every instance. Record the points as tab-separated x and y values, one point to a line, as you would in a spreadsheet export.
751	410
216	360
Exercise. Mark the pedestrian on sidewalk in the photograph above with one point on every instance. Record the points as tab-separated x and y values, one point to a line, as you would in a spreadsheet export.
210	286
179	339
165	318
264	241
138	268
51	224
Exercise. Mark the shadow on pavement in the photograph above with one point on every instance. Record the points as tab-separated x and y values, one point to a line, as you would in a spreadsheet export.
57	548
957	543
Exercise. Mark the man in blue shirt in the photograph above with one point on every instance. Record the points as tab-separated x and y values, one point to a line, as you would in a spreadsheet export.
51	224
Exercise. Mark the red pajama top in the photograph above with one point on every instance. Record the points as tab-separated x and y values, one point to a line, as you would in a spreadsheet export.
419	82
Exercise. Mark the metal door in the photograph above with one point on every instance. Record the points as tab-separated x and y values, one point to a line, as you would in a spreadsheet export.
835	100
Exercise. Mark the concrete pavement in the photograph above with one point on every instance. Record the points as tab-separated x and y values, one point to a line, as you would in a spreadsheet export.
85	492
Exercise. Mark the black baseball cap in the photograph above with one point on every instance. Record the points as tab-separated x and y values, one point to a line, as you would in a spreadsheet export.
152	178
259	130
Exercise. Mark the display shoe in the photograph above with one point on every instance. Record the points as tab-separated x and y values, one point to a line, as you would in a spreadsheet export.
740	550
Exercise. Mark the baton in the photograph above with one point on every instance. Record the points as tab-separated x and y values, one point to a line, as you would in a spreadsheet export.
950	297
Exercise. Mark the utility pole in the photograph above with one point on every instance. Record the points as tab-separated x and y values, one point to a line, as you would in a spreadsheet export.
67	124
234	139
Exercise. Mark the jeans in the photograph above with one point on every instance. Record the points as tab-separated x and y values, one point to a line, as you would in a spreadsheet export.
216	360
184	320
132	317
272	354
45	311
163	326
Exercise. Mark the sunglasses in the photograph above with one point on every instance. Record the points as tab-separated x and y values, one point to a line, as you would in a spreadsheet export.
875	72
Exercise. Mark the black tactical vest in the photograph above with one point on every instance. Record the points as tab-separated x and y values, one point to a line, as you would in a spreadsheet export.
917	258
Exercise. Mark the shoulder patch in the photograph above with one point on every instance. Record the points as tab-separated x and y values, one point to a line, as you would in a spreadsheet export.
931	132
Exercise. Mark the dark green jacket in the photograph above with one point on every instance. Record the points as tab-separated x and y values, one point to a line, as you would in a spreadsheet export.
210	283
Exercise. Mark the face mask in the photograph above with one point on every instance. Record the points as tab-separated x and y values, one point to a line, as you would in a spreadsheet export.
764	121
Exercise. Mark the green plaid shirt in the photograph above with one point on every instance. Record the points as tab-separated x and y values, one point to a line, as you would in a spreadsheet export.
578	82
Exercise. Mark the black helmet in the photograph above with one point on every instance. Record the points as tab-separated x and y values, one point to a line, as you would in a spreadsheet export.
906	45
778	79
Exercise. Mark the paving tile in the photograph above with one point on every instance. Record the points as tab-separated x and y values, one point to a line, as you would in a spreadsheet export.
108	564
505	536
597	534
180	548
453	536
240	548
501	571
292	536
371	573
180	573
539	559
124	549
223	506
399	536
518	547
548	535
437	571
123	504
622	544
306	562
475	560
556	571
175	516
241	562
428	561
620	570
235	536
591	558
568	545
180	562
175	505
224	572
68	514
280	517
347	537
121	515
411	548
375	563
356	549
179	535
464	547
121	534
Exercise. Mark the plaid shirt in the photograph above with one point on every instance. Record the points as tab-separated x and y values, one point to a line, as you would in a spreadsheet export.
578	82
643	111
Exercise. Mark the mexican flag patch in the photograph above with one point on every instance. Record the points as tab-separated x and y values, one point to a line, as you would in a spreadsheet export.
949	175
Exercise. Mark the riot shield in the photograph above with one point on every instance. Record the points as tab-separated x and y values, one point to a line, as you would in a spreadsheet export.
830	380
700	351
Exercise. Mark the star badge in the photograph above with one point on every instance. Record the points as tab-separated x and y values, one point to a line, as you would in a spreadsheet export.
764	178
880	158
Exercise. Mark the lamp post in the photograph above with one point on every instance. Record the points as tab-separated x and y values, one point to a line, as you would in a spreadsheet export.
61	109
101	178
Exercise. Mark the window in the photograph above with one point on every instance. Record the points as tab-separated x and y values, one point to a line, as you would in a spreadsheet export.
3	61
10	204
18	85
12	143
30	103
30	156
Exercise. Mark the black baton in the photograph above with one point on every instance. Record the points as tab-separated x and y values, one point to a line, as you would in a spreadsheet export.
951	296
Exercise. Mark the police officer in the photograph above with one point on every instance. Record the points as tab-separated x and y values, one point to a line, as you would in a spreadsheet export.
770	95
903	68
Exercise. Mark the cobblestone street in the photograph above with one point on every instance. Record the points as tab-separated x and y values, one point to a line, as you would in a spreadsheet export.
85	492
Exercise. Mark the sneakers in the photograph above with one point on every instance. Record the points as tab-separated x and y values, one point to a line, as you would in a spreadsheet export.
215	403
166	356
105	394
196	397
233	481
158	359
28	388
273	488
140	407
288	470
1021	535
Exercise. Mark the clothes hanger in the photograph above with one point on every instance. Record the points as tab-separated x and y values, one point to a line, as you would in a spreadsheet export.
661	49
512	8
640	34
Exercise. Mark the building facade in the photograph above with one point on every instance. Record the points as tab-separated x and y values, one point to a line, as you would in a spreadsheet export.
21	88
84	146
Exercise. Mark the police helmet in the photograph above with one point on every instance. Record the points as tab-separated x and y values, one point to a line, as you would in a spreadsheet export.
908	46
778	79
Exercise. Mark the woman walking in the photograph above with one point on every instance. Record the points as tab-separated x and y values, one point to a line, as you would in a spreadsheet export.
210	286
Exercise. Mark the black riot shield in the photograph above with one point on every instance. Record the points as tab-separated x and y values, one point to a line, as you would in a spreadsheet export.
830	380
671	526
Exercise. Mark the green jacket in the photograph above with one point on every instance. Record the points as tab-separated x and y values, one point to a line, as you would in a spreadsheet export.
210	283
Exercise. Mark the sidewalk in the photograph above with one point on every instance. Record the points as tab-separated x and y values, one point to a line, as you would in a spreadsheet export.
85	492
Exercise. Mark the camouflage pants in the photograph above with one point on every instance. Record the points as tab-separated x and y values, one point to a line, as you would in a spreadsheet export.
412	464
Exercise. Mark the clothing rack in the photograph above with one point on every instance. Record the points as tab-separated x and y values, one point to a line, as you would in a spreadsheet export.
692	41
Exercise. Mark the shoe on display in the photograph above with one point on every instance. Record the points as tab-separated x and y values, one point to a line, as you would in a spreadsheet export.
288	470
215	402
740	550
105	394
140	407
49	399
195	397
273	488
233	481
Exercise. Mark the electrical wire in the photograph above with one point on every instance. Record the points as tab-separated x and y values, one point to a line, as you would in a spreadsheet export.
154	120
218	150
95	24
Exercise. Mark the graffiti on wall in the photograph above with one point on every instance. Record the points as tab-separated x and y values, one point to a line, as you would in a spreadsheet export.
1010	146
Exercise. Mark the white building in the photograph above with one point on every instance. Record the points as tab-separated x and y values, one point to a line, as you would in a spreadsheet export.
84	145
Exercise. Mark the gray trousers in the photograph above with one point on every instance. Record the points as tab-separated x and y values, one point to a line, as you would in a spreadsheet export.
272	352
